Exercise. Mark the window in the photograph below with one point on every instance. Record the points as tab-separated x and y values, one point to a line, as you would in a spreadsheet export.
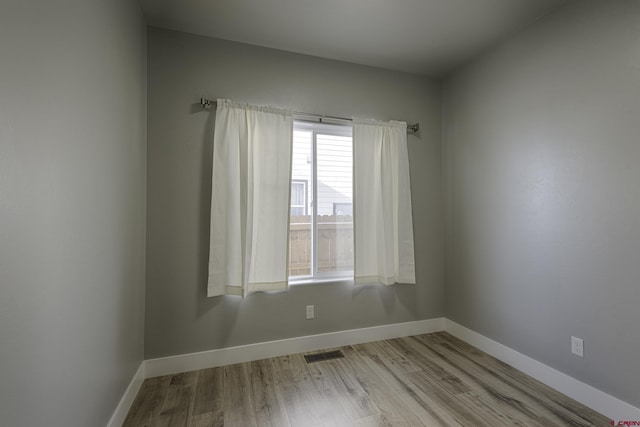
321	226
343	209
298	197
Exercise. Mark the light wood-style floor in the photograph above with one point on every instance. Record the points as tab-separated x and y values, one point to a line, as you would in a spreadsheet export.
426	380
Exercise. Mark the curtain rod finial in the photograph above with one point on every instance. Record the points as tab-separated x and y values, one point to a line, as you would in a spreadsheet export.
206	103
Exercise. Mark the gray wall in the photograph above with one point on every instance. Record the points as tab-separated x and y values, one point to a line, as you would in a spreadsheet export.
542	146
182	67
72	209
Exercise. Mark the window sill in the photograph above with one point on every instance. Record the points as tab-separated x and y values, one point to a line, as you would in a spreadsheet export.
322	281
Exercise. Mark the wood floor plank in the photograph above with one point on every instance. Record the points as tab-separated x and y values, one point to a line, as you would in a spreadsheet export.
354	400
184	379
394	356
520	380
509	400
208	419
292	389
426	380
432	398
485	409
335	406
331	412
178	401
238	406
176	407
446	378
389	394
512	395
207	407
148	402
269	409
209	391
448	405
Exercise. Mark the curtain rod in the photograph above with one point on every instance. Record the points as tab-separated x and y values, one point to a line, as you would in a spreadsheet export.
207	103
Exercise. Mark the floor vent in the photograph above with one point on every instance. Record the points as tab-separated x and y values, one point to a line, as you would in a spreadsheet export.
327	355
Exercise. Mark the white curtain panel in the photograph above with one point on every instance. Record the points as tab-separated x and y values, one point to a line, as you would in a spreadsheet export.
383	224
249	245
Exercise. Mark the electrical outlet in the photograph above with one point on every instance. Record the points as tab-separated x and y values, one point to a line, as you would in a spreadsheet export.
310	312
577	346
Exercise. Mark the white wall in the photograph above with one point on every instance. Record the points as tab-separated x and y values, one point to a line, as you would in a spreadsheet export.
542	147
72	208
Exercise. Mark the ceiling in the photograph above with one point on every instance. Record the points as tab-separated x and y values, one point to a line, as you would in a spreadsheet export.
428	37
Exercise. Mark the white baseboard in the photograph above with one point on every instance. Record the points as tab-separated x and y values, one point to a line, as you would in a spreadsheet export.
595	399
264	350
127	398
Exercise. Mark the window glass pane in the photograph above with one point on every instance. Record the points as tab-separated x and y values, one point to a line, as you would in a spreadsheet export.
300	234
334	192
298	197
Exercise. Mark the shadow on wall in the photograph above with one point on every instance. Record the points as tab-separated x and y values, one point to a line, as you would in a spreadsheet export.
388	295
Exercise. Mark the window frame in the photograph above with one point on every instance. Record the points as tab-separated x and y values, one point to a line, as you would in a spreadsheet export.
330	128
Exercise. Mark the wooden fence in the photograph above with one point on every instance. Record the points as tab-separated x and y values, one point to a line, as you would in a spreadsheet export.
335	244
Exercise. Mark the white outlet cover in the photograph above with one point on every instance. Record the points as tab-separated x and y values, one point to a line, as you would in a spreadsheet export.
577	346
310	312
